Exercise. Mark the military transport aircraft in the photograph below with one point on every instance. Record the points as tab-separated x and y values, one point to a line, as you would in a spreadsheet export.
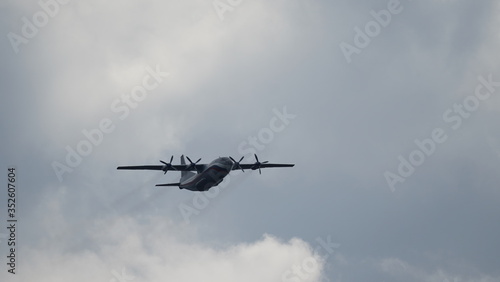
207	175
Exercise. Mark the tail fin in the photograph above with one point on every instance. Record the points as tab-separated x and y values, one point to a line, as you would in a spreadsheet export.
185	174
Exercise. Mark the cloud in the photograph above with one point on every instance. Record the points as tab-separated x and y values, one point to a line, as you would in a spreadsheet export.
155	249
353	121
91	53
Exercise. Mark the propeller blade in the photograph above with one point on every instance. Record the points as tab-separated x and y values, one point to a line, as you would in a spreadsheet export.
237	163
191	165
167	166
164	167
258	164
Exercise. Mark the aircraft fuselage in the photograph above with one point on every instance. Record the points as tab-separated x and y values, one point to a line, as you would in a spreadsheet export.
210	176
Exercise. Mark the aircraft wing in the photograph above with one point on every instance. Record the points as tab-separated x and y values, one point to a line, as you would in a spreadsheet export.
162	167
146	167
257	165
253	166
192	166
198	167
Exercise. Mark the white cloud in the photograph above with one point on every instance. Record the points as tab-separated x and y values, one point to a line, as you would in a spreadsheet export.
155	250
91	53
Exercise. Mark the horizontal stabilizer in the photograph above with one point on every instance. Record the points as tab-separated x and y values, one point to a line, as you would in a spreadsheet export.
169	184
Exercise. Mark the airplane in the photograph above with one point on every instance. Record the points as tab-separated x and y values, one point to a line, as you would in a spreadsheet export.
207	175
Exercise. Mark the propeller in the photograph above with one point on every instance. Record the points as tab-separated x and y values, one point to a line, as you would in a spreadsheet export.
258	164
167	166
192	165
237	163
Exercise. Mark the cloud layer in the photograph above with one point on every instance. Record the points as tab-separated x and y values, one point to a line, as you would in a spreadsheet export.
353	122
154	250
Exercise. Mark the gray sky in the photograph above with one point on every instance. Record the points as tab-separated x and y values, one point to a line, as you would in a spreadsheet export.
389	109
